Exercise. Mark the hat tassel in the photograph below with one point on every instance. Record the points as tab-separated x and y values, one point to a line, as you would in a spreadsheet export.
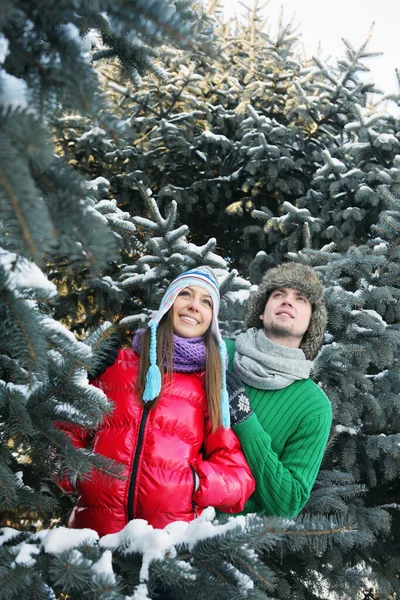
153	377
225	413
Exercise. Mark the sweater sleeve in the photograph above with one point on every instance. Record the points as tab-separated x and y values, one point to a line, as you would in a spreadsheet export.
284	483
226	481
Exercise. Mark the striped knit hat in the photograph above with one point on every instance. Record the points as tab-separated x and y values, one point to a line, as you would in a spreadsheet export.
204	278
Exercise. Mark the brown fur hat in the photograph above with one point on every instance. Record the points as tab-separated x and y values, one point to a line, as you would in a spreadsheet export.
298	277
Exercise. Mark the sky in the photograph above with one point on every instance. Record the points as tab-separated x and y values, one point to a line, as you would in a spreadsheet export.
328	22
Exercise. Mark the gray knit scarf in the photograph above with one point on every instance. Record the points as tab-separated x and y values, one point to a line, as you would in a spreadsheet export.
266	365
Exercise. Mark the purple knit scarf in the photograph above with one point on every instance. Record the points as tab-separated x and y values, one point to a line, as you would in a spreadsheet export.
189	353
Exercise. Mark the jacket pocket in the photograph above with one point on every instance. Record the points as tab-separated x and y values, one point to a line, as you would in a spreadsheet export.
195	486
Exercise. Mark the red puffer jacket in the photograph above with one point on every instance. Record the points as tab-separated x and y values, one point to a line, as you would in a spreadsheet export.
161	450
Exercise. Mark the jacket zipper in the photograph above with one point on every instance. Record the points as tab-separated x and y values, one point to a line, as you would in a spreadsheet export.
138	450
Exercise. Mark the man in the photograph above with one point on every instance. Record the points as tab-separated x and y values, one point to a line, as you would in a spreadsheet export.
284	424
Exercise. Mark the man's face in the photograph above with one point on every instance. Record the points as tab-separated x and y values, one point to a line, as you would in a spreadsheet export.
286	317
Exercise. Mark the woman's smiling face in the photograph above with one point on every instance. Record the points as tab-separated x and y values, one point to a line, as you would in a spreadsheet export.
192	312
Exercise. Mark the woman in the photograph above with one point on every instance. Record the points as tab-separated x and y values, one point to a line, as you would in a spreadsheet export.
170	424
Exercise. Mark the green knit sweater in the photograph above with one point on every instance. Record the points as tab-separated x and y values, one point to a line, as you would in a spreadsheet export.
284	441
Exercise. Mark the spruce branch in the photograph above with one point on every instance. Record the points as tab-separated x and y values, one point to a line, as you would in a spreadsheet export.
18	214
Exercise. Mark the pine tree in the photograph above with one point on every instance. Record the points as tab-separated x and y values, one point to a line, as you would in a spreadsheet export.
219	560
251	132
306	158
368	435
198	559
274	157
56	226
57	223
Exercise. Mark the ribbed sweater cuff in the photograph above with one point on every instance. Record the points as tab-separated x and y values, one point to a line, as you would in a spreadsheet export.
249	429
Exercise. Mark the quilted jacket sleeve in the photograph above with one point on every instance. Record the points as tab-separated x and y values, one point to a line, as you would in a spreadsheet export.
226	481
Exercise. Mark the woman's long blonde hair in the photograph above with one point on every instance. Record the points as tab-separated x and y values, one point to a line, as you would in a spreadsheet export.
165	348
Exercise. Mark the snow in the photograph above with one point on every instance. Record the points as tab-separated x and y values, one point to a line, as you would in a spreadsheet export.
13	92
139	278
3	48
104	565
105	205
94	184
297	212
70	31
381	375
23	389
343	429
145	223
375	315
90	136
388	139
111	283
202	155
91	40
24	274
140	593
381	246
63	539
361	330
244	581
218	138
25	555
136	536
139	536
184	566
55	328
333	164
63	408
6	534
239	295
371	313
19	476
138	320
153	544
